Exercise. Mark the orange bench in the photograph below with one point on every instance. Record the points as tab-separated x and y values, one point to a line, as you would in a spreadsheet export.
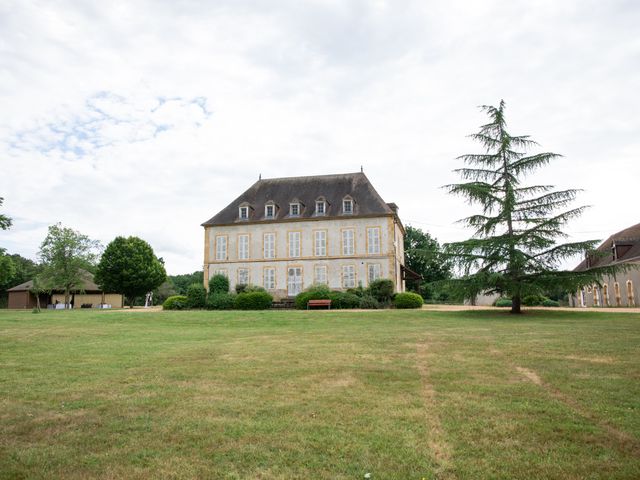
319	303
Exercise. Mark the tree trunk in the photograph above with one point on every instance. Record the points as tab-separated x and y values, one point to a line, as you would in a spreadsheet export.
66	298
516	302
131	301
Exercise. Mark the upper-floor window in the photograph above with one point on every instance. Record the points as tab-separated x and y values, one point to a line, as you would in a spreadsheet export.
243	247
221	247
269	245
270	210
347	205
321	207
373	240
244	213
348	242
320	243
294	209
294	244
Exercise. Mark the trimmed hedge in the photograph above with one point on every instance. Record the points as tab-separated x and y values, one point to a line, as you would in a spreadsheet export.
314	292
221	301
344	300
408	300
550	303
175	302
367	301
382	290
504	302
196	296
253	301
218	284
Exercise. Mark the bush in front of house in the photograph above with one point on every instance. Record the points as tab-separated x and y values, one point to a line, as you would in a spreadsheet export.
314	292
175	302
408	300
196	296
253	301
382	290
503	302
218	284
221	301
368	302
533	300
550	303
344	300
248	288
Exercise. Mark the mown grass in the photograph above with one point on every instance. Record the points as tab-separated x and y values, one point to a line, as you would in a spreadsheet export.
275	395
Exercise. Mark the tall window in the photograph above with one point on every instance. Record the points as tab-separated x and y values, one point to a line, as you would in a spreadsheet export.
244	213
294	244
320	274
320	207
596	296
373	272
373	240
349	276
270	278
320	243
269	245
347	206
616	292
269	211
221	247
221	272
631	301
243	276
243	247
348	242
605	295
294	209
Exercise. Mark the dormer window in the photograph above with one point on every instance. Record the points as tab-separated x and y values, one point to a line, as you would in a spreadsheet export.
244	213
321	207
269	211
347	206
294	209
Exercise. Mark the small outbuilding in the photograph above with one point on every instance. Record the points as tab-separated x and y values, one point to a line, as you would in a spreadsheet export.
89	296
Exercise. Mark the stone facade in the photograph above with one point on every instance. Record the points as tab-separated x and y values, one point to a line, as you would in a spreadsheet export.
286	255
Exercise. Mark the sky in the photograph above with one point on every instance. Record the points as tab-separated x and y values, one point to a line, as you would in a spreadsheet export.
147	118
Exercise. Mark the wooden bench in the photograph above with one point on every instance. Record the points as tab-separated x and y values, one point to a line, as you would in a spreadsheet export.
319	303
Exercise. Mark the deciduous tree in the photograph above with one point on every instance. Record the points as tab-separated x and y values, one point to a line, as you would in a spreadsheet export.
129	266
66	256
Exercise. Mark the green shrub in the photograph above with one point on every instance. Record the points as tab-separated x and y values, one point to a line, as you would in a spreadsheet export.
253	301
503	302
221	301
359	291
550	303
196	296
533	300
218	284
344	300
248	288
381	290
408	300
175	302
314	292
367	301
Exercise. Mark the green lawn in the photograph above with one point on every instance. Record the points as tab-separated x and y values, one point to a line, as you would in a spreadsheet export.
280	395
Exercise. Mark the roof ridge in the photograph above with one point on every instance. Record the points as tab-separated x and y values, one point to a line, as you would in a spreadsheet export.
312	176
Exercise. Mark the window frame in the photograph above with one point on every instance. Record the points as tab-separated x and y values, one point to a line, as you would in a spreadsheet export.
238	282
344	276
370	244
264	278
271	206
246	236
299	208
264	245
224	257
315	274
347	201
342	241
289	235
315	242
244	208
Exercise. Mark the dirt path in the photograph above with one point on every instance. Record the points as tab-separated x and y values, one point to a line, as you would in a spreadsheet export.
458	308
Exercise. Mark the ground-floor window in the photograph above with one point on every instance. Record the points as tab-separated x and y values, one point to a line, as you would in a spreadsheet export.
294	281
320	274
348	276
373	272
616	292
270	278
243	276
605	295
631	301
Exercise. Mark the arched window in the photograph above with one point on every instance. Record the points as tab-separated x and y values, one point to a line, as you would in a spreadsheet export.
596	296
631	301
616	292
605	295
582	302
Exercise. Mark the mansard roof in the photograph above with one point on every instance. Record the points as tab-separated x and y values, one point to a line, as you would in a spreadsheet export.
282	191
627	242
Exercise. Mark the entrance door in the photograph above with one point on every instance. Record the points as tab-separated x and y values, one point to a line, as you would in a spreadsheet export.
294	281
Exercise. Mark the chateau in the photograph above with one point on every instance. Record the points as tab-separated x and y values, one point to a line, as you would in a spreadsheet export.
285	234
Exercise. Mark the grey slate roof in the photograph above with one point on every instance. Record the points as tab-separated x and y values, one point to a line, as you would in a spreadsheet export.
87	285
306	190
629	237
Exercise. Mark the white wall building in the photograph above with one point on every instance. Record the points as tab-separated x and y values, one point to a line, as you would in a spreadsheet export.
286	234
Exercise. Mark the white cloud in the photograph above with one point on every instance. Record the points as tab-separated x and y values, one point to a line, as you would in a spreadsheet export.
146	118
